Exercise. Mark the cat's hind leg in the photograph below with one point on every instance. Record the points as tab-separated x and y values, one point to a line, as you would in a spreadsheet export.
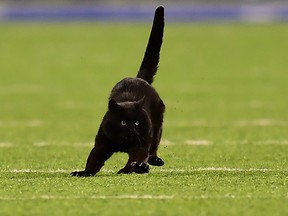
153	159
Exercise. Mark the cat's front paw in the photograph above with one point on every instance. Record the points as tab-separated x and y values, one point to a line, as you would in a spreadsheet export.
138	167
125	170
84	173
155	161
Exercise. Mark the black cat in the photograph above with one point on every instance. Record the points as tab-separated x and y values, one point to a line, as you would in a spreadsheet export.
133	122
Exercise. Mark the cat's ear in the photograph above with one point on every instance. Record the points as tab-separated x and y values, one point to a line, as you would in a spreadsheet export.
113	105
140	102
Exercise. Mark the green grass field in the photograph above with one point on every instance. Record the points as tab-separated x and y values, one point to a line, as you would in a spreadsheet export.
225	140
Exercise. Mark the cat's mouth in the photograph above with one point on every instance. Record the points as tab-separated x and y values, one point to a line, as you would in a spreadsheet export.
132	136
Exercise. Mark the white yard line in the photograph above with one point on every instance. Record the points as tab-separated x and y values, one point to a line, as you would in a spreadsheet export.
258	142
141	197
100	197
34	171
199	169
166	142
260	122
190	142
41	144
198	142
265	122
194	123
272	142
6	145
221	169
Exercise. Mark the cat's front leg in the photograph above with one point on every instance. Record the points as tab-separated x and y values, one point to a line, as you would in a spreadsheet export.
125	170
84	173
140	167
138	160
137	167
95	161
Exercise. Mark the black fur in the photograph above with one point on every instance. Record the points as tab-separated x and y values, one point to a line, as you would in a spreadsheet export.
133	122
150	61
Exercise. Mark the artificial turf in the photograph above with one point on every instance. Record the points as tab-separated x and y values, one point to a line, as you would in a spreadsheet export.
225	140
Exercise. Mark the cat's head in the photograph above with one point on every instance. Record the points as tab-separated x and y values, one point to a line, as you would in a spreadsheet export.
127	122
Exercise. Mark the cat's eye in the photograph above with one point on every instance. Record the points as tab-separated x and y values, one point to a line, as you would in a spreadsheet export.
123	123
137	123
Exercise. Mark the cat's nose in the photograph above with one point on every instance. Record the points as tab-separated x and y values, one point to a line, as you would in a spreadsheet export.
133	131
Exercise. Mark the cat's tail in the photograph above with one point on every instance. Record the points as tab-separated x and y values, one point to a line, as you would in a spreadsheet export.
150	61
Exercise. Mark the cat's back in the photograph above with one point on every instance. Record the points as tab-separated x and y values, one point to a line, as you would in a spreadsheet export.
133	89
